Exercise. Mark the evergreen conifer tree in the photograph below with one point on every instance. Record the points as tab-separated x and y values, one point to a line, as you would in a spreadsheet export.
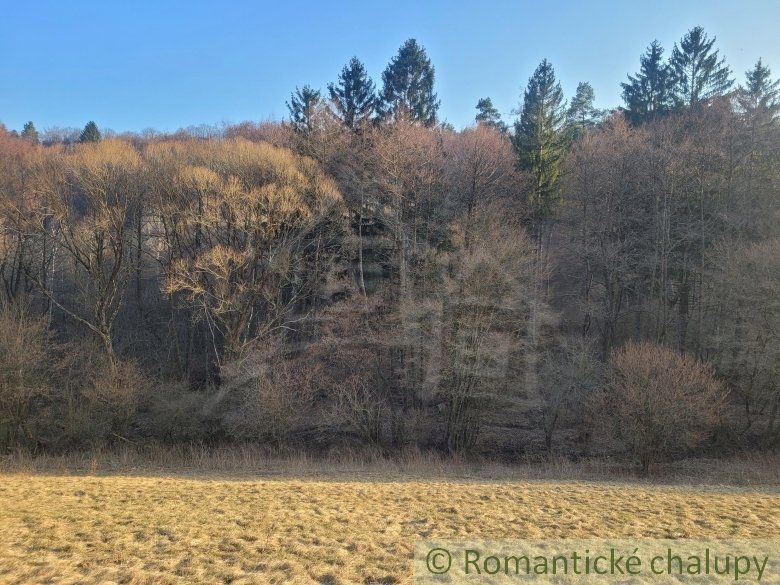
648	94
697	72
539	138
354	95
582	115
408	86
302	106
91	133
30	133
488	115
760	93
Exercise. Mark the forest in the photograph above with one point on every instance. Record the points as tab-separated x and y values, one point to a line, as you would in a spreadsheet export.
362	275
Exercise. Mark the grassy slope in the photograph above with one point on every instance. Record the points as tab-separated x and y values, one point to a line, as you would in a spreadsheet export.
203	529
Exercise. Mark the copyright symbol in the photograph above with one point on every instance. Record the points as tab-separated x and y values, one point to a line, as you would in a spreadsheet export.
438	561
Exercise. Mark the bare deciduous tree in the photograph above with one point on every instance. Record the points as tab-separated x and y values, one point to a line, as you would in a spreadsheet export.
260	227
86	199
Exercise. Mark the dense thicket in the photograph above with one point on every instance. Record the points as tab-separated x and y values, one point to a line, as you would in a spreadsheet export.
363	275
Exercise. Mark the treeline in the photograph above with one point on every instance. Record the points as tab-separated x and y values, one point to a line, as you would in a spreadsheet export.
580	281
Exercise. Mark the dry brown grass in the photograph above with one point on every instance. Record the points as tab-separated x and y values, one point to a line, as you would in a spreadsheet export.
349	525
251	460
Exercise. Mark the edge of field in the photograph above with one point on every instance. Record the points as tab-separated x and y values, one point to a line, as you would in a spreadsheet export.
246	462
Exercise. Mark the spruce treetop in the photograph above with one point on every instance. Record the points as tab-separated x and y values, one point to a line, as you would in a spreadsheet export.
91	133
697	71
539	138
30	133
302	105
407	90
354	95
648	94
759	89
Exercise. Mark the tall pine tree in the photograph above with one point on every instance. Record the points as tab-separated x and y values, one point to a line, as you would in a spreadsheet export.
540	139
302	107
30	133
91	133
407	90
697	72
648	94
488	115
582	115
354	95
760	93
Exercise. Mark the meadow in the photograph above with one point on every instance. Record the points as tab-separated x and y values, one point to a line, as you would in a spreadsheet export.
108	520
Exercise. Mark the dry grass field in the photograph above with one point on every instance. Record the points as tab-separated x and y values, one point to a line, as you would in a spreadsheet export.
121	526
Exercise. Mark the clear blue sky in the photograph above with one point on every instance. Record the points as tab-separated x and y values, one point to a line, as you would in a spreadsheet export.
134	64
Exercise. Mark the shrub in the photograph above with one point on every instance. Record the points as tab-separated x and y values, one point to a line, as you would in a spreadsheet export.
657	403
569	374
103	396
362	408
274	396
28	367
176	413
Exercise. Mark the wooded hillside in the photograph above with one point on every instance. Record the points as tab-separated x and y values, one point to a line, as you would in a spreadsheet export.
579	281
